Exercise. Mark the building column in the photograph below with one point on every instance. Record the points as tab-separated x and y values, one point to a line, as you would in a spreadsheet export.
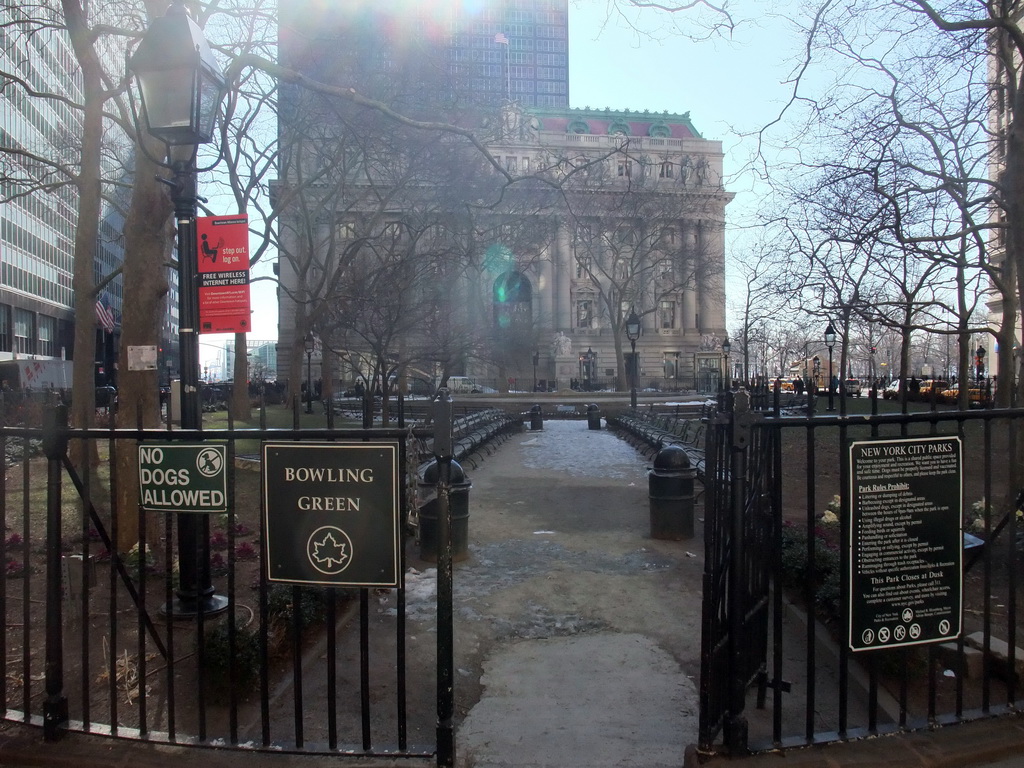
563	278
689	299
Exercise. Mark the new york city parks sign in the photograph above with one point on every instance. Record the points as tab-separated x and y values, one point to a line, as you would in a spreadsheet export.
332	513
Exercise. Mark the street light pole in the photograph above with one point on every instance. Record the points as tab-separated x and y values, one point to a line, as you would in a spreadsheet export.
181	86
632	333
309	342
536	359
726	348
830	341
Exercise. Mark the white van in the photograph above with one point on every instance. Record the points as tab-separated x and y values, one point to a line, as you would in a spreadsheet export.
464	385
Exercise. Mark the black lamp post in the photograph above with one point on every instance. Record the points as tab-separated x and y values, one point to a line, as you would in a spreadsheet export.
181	86
590	356
726	348
830	341
980	358
632	333
309	342
536	359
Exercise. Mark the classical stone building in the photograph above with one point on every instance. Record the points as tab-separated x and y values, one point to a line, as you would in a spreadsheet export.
580	217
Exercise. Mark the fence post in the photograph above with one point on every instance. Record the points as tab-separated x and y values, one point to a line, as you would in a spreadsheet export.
444	453
736	724
55	445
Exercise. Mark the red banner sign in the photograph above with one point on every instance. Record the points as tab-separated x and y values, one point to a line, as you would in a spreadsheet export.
223	257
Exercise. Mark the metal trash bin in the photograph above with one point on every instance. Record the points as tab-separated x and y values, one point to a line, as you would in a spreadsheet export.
536	417
593	416
428	513
670	490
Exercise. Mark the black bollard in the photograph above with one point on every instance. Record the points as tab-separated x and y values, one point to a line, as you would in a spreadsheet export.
670	490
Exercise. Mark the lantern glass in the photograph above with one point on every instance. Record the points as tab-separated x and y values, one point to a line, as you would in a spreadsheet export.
180	82
633	326
830	336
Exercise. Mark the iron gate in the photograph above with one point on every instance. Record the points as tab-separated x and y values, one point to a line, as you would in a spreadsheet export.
738	542
776	642
86	647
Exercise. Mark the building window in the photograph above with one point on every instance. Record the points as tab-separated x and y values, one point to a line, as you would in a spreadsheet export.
584	313
582	265
667	314
511	164
666	170
625	168
670	362
23	327
47	335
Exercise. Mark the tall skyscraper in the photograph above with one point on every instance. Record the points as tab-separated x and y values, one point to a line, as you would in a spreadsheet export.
37	228
39	212
454	53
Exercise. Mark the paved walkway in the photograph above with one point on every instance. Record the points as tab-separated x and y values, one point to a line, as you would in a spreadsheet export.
586	631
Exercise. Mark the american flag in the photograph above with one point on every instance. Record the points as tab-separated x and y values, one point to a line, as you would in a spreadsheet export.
500	38
104	314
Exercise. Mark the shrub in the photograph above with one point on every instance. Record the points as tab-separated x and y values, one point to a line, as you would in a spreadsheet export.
246	551
311	604
827	564
218	565
216	660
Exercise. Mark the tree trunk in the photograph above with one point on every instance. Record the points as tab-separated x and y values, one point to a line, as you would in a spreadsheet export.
241	405
147	246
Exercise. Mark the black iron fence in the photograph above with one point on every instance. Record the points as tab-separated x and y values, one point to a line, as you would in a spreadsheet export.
87	590
784	563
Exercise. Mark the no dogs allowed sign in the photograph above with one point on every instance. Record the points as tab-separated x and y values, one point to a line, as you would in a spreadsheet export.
332	513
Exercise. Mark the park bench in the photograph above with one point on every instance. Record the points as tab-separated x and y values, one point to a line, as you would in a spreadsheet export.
652	432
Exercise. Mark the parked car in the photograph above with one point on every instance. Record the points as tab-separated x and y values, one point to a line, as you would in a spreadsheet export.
106	397
930	388
465	385
852	387
892	390
977	397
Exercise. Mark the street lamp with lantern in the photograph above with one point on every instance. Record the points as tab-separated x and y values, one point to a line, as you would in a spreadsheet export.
180	86
309	342
726	347
536	359
830	342
979	360
632	333
590	356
